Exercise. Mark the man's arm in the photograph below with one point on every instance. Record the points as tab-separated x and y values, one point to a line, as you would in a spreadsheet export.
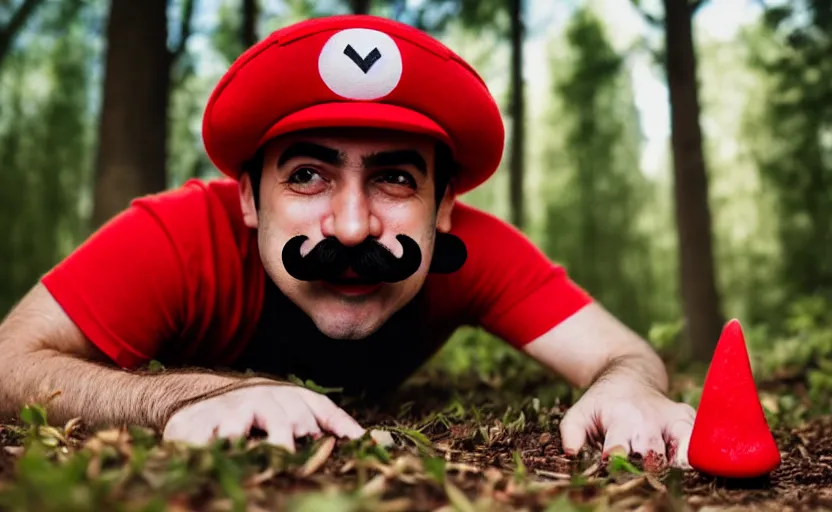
44	353
625	406
514	291
592	345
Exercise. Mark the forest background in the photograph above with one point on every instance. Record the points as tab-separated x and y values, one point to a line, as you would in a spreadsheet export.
675	157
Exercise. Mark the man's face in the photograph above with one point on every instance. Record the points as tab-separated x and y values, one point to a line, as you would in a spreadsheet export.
351	185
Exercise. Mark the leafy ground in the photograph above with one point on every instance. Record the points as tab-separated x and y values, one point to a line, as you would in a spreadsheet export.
468	445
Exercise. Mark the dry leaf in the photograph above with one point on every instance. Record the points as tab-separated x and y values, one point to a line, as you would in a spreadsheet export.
626	487
374	487
458	498
395	505
552	474
14	450
591	470
382	438
320	457
260	478
349	466
109	436
71	426
654	482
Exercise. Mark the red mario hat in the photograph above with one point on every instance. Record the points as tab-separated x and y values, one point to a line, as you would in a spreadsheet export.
353	71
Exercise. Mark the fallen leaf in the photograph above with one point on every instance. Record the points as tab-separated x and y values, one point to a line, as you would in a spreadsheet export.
319	458
374	487
383	438
457	498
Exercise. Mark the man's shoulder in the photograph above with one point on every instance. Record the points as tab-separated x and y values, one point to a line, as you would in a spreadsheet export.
486	235
209	207
193	198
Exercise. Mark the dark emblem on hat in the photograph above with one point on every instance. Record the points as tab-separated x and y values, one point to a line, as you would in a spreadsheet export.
365	63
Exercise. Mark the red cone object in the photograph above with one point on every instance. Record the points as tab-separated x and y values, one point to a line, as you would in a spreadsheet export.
731	437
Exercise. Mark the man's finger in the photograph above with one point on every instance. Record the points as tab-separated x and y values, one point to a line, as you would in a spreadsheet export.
281	435
573	428
195	430
332	418
617	439
277	426
234	425
300	416
648	442
678	438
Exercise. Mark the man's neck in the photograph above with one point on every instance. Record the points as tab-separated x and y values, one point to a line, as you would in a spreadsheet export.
287	342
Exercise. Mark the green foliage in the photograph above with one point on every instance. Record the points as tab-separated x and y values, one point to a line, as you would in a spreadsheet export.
598	199
802	351
34	416
310	384
476	15
793	139
226	37
621	464
45	150
475	351
435	467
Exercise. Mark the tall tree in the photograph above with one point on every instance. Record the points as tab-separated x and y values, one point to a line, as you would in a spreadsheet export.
235	32
15	23
594	163
45	145
360	6
518	115
248	32
506	17
133	129
794	145
700	298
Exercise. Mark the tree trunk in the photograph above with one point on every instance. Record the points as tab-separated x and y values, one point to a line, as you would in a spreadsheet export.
518	117
15	24
133	126
249	28
698	281
360	6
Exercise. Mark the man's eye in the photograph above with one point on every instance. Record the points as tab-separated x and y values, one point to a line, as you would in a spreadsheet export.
398	178
303	175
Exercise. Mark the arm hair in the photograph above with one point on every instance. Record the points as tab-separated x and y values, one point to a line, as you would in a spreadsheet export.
45	357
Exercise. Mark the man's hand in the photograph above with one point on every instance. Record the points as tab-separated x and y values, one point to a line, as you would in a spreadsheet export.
284	412
625	404
632	417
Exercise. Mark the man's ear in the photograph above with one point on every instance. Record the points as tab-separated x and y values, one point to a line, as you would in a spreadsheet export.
247	200
446	206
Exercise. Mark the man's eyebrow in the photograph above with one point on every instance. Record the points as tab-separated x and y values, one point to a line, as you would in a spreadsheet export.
324	154
398	157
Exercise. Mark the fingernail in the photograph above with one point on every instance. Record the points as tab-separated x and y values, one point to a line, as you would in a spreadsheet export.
616	450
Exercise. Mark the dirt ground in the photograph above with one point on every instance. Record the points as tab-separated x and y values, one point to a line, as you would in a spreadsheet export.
431	449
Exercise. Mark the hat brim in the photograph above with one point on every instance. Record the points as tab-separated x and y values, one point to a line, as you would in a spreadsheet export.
358	115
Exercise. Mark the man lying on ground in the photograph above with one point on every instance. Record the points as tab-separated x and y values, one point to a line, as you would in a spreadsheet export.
335	250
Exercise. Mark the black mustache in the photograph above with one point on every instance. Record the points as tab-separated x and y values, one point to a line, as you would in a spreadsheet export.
329	259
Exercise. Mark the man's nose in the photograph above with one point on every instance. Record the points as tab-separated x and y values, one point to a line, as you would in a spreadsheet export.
351	220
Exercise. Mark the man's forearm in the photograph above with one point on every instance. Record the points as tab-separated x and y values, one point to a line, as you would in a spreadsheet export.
99	394
644	366
592	345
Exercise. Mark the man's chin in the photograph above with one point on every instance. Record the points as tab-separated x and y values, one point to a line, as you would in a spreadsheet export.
348	317
347	331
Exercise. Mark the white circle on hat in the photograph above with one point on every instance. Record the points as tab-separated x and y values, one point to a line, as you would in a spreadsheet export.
360	64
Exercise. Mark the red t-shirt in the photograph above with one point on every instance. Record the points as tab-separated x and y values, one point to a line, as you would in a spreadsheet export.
179	271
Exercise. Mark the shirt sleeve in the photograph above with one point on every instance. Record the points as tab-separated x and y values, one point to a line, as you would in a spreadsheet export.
510	287
124	287
164	280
